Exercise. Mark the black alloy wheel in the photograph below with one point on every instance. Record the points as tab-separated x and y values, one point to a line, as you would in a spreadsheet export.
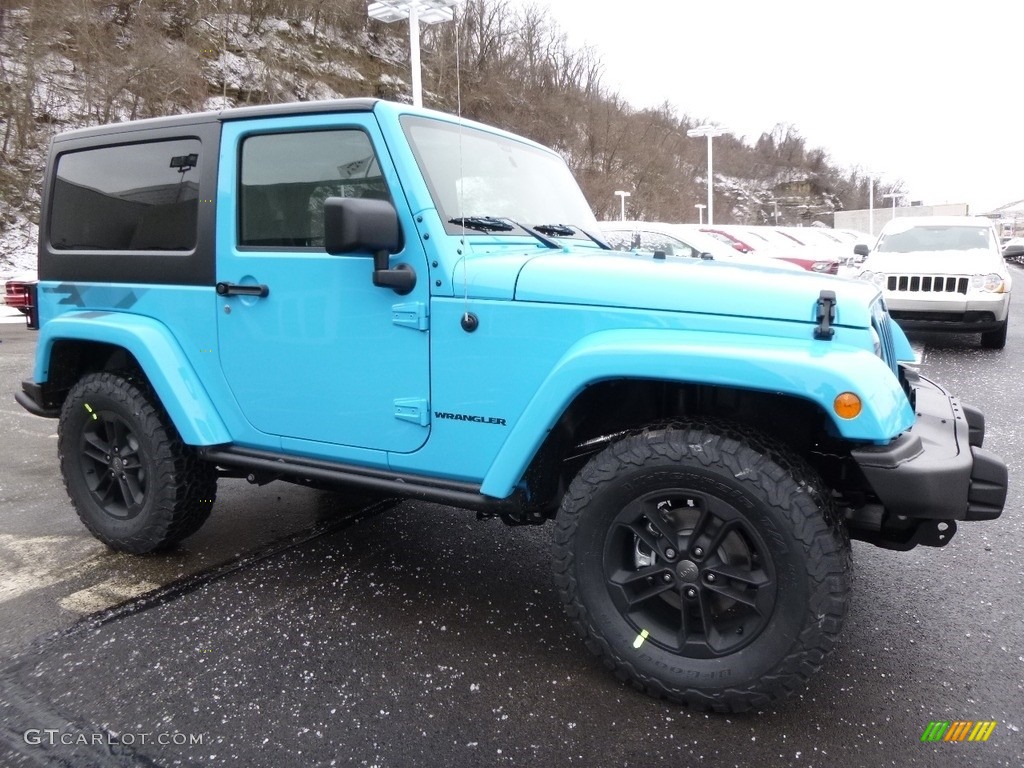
133	482
704	564
690	573
113	465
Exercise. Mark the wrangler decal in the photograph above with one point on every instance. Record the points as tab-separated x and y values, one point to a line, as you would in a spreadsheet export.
469	417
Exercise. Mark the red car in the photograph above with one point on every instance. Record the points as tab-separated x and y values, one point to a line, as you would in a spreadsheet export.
823	264
16	295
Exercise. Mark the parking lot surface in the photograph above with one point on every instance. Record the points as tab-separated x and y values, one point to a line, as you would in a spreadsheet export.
314	629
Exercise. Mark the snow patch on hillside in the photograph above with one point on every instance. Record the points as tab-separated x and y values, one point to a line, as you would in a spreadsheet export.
18	248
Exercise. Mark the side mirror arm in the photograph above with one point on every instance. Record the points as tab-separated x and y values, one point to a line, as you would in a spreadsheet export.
401	279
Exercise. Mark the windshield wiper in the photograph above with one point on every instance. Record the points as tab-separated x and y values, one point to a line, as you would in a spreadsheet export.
567	230
556	230
495	224
482	223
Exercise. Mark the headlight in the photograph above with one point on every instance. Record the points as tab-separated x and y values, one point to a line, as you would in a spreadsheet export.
873	277
990	283
821	266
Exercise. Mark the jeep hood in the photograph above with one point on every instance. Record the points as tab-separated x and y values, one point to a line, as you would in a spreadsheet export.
628	280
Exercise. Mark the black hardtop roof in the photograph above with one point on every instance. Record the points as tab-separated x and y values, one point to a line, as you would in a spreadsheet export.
237	113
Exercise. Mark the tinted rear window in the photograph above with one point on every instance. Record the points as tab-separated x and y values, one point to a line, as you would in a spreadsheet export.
131	197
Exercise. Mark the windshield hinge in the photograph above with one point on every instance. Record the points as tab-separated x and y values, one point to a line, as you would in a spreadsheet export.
826	316
413	409
411	315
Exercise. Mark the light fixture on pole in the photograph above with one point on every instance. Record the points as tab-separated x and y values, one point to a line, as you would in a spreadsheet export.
710	131
700	212
416	11
895	196
622	203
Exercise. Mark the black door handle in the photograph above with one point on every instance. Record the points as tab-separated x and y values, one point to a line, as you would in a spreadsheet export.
234	289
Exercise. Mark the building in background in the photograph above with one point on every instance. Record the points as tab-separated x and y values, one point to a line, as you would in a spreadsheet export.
882	214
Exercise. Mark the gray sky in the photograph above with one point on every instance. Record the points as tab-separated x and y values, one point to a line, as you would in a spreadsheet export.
928	92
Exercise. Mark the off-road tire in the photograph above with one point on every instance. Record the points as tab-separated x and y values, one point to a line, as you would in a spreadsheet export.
780	546
133	482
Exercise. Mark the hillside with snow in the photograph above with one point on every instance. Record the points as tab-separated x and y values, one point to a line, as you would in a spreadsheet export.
64	66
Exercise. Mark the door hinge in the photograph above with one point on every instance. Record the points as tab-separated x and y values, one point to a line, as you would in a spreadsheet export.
411	315
413	409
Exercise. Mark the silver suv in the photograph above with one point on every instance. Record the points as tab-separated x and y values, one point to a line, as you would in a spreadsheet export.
942	273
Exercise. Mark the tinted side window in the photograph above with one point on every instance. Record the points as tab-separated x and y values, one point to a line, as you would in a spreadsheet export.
131	197
655	241
287	176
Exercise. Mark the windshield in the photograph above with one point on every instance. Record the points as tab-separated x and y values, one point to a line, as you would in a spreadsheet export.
474	174
935	238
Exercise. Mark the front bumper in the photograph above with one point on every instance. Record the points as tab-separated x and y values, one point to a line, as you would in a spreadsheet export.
941	312
937	470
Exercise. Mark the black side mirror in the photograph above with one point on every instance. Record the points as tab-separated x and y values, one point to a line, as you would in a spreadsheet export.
365	224
860	249
360	224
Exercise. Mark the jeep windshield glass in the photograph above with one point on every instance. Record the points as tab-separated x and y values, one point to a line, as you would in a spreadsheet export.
936	238
475	174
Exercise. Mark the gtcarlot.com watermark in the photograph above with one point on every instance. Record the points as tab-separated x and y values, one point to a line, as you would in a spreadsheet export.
52	737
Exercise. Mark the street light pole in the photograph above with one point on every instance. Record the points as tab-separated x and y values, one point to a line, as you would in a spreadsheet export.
895	196
427	11
711	131
700	211
622	203
871	204
872	175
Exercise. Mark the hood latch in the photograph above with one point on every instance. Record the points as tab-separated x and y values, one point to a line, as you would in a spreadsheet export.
826	316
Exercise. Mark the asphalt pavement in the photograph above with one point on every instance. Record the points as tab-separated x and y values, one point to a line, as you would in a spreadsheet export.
303	628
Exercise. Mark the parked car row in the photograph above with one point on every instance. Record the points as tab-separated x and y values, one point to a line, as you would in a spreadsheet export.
677	240
778	243
765	246
1013	249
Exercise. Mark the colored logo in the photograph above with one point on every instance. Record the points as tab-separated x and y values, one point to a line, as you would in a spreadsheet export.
958	730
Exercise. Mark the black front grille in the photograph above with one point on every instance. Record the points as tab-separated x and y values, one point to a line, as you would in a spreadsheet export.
928	283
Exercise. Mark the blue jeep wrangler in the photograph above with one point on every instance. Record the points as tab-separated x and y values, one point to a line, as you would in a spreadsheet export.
366	294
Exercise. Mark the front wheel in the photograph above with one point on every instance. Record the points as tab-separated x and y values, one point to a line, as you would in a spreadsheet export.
995	339
704	565
135	485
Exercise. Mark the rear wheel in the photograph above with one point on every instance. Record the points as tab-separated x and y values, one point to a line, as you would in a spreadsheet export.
703	566
135	485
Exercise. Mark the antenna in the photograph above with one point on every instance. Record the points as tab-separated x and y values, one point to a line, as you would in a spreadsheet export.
467	318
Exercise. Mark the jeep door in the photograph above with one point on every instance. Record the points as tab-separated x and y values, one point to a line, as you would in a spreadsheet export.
324	355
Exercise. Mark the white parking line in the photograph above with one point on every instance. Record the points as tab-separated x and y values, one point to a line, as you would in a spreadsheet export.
29	563
105	594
